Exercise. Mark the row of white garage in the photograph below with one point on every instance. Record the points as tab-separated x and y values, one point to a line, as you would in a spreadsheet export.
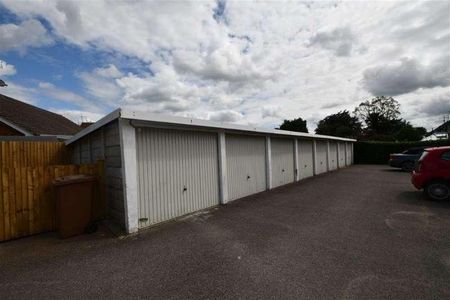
182	171
160	167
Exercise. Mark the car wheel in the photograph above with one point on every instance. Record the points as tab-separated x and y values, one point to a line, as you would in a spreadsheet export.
438	190
408	166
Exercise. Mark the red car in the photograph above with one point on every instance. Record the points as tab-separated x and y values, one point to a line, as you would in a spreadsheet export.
432	173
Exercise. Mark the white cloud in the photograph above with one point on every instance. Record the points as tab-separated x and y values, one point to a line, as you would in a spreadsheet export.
226	116
253	62
164	92
110	71
224	64
271	111
19	92
69	97
340	40
406	76
6	69
78	116
437	106
29	33
103	89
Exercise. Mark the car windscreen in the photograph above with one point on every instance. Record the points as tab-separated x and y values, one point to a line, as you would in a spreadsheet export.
425	153
413	151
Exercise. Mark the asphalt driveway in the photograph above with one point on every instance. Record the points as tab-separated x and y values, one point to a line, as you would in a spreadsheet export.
361	232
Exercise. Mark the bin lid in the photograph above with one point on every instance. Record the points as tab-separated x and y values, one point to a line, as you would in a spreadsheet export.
73	179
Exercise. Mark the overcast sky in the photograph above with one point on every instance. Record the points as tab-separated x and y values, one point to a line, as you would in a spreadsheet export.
234	61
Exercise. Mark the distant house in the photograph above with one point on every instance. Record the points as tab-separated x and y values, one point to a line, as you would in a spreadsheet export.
21	119
440	133
86	124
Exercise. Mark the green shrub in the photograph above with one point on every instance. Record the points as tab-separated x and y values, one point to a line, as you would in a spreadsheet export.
378	152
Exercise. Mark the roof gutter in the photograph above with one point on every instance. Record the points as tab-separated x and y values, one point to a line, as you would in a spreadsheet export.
164	119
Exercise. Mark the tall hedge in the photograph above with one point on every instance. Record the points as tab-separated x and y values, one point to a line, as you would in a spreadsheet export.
378	152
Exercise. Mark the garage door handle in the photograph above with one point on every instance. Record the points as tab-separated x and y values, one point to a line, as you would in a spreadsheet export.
248	177
184	189
282	170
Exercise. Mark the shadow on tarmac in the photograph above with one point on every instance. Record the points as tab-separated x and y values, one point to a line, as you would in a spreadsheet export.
419	199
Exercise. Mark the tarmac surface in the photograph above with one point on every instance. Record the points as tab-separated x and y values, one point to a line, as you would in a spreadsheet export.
362	232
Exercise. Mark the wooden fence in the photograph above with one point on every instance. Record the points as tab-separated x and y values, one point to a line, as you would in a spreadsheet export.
27	205
16	154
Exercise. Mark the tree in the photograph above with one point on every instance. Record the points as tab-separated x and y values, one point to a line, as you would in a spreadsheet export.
410	133
341	124
381	118
294	125
385	107
381	115
379	126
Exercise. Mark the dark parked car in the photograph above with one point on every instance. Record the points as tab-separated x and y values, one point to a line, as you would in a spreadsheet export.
432	173
406	160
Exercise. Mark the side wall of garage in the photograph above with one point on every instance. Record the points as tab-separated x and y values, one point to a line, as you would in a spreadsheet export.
104	144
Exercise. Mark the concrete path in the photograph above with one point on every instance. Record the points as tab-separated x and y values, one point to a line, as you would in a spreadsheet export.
361	232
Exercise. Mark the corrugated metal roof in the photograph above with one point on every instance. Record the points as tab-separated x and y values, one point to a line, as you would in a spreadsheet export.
195	123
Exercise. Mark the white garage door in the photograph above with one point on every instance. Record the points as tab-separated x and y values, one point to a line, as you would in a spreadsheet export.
321	156
177	173
333	156
246	165
349	158
341	160
305	158
282	161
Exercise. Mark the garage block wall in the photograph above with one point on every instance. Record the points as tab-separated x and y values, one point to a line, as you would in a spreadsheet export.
104	144
179	170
